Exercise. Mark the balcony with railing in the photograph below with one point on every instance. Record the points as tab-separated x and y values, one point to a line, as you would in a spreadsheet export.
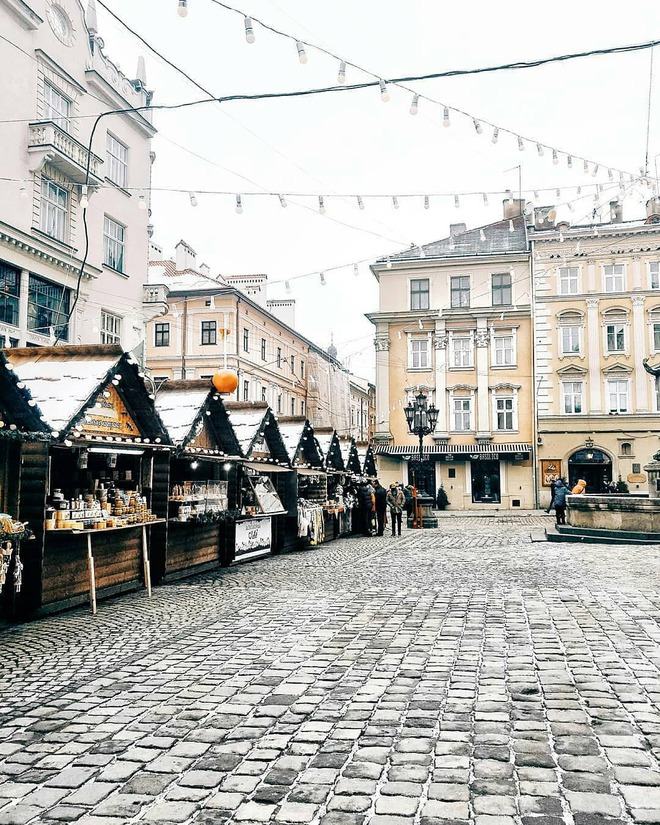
49	143
154	300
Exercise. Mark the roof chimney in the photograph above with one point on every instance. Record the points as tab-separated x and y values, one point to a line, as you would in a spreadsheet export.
205	269
616	212
512	208
186	257
544	217
456	229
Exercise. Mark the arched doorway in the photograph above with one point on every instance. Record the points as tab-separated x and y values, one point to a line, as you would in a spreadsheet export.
594	466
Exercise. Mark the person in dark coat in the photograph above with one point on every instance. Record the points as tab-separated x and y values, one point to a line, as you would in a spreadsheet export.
559	501
381	506
367	506
407	492
553	484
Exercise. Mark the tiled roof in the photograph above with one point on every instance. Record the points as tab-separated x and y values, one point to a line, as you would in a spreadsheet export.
492	239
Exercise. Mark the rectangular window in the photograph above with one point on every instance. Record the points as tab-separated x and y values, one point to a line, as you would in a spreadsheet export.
504	414
419	293
246	390
54	209
279	402
504	352
462	414
246	339
654	274
209	332
293	406
462	352
10	280
570	340
293	365
263	394
302	369
302	408
48	308
279	356
616	337
162	335
501	288
419	354
656	333
617	393
572	395
110	328
460	291
569	280
114	238
117	160
263	349
613	278
57	107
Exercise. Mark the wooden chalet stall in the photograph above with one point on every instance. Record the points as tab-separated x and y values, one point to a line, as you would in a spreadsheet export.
202	495
367	459
265	487
20	423
305	528
338	496
96	495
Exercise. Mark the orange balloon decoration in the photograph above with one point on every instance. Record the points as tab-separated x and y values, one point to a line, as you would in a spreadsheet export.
225	381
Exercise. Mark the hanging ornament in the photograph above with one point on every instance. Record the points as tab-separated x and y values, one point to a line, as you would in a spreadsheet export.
225	381
18	572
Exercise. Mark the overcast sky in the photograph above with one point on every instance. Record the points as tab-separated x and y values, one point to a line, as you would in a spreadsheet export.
352	143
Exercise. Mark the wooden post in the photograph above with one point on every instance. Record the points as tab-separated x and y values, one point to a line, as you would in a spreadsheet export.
92	575
145	560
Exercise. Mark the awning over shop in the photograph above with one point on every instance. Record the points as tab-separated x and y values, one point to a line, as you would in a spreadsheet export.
456	451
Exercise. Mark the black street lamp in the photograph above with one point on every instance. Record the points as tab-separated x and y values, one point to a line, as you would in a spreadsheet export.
421	419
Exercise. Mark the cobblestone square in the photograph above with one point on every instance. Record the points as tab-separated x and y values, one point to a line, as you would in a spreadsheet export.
465	674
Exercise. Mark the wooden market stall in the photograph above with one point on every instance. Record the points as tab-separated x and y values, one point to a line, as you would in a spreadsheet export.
96	494
338	497
265	484
202	494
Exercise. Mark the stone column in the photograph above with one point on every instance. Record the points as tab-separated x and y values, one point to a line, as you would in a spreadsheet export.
641	402
636	269
23	297
483	413
383	433
440	345
594	339
591	278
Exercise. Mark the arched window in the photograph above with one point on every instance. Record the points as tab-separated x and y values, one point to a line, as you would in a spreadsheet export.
625	448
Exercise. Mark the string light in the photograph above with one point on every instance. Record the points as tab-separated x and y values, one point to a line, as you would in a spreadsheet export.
457	201
23	191
558	192
142	203
427	202
84	197
193	199
521	144
445	118
239	205
414	106
182	9
356	270
302	54
536	195
321	205
249	30
322	277
595	171
384	94
496	135
540	149
610	174
478	128
569	161
555	157
485	197
395	202
482	235
360	202
341	75
586	167
388	262
283	202
287	287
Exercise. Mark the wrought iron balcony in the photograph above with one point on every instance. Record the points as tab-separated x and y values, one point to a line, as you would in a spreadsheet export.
48	143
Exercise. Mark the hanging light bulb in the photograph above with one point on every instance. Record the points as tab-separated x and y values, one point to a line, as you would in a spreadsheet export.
558	192
23	192
414	106
142	203
595	171
84	197
360	202
596	197
496	135
356	270
578	191
521	144
395	202
193	199
249	30
384	94
540	150
287	287
427	202
322	277
321	205
621	177
239	205
511	227
341	75
457	201
388	262
586	167
536	195
555	157
182	9
478	128
610	174
302	54
283	202
482	236
569	161
561	236
571	208
485	197
445	118
599	188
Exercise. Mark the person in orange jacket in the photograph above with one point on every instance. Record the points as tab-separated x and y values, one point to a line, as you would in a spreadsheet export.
579	488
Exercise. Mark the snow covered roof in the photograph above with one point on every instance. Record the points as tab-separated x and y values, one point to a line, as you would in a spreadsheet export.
247	423
325	442
292	433
179	407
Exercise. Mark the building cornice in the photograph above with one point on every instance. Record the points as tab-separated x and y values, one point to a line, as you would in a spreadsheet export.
433	263
29	19
44	251
114	99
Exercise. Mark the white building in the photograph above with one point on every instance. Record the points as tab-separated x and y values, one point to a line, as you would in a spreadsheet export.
55	80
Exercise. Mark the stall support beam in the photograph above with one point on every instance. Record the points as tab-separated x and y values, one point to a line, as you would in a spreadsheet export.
145	561
92	575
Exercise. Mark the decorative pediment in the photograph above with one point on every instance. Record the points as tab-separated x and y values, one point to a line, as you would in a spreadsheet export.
505	386
618	369
572	369
458	387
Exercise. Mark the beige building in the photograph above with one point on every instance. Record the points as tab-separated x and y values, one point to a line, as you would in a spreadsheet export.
56	78
205	321
597	317
454	321
363	409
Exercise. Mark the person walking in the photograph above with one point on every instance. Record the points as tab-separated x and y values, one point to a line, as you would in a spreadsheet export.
559	501
553	484
396	502
366	505
381	506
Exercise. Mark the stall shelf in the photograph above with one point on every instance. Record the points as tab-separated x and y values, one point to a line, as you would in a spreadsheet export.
202	495
105	469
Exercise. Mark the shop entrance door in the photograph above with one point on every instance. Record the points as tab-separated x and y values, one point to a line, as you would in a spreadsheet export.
485	481
594	466
421	474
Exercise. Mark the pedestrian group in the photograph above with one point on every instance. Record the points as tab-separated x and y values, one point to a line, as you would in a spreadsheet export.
374	501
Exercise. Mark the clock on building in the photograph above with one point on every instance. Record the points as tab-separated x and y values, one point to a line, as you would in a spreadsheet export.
60	23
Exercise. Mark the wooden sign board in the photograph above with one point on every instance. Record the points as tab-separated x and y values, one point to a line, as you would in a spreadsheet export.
550	471
205	438
109	416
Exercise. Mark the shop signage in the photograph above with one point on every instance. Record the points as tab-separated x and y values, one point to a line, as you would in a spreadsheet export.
253	538
550	471
109	416
637	478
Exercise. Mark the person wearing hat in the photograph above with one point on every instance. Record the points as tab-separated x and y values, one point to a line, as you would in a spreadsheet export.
396	502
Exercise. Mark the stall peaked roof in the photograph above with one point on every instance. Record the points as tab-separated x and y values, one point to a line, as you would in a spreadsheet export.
328	441
18	410
301	445
254	425
349	455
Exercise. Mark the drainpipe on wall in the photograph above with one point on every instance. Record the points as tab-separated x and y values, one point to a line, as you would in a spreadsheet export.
184	338
238	370
535	422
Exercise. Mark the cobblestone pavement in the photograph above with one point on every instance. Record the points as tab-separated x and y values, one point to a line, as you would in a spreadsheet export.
462	675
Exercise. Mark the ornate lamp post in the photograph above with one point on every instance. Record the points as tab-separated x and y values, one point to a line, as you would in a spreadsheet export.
421	419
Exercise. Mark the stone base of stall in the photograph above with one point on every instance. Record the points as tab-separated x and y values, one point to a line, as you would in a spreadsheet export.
193	548
626	514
